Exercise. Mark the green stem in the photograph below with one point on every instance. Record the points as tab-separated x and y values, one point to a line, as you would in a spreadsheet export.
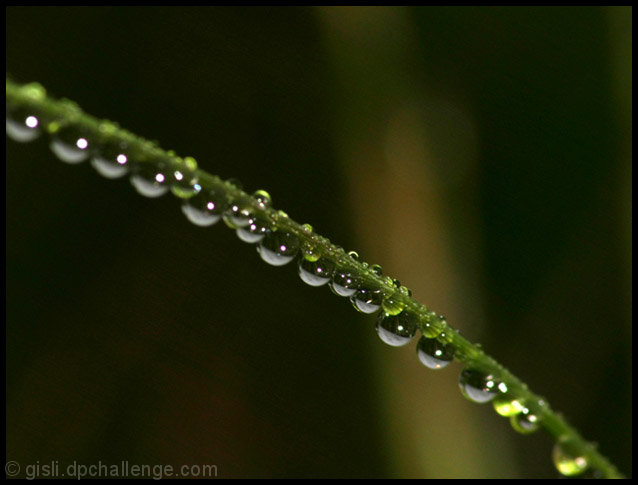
472	356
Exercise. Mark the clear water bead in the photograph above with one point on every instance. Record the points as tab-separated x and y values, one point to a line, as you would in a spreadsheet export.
205	208
24	124
507	406
112	159
344	283
257	228
317	272
396	330
70	143
478	386
367	300
150	177
525	422
392	305
278	248
263	198
183	178
434	354
434	325
567	459
238	214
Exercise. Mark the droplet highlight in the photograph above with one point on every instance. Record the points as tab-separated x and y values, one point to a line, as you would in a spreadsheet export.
205	208
150	177
567	459
23	124
525	422
434	325
396	330
256	229
278	248
478	386
263	198
113	159
367	300
238	214
317	272
183	178
70	143
434	354
344	283
392	305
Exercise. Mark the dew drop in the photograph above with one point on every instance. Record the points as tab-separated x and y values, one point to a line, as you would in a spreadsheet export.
23	124
317	272
525	422
396	330
344	283
392	305
367	300
183	178
354	255
377	269
434	325
112	159
434	354
278	248
205	208
307	228
70	143
478	386
310	252
567	459
507	407
149	177
263	198
238	214
257	228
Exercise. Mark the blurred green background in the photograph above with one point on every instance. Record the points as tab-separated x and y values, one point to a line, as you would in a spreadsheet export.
480	155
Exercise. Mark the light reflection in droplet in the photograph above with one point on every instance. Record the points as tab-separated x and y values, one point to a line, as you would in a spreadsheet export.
159	178
121	159
82	143
31	121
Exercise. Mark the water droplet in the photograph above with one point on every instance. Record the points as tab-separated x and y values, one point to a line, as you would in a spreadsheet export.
396	283
567	459
478	386
367	300
278	248
257	228
112	159
150	177
24	124
396	330
507	406
392	305
525	422
307	228
263	198
344	283
310	252
70	143
183	178
205	208
377	269
354	255
238	215
434	325
406	291
317	272
434	354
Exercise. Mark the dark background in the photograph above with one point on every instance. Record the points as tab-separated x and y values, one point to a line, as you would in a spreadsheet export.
134	335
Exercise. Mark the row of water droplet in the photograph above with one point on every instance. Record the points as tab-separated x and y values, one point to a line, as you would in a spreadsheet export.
155	175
